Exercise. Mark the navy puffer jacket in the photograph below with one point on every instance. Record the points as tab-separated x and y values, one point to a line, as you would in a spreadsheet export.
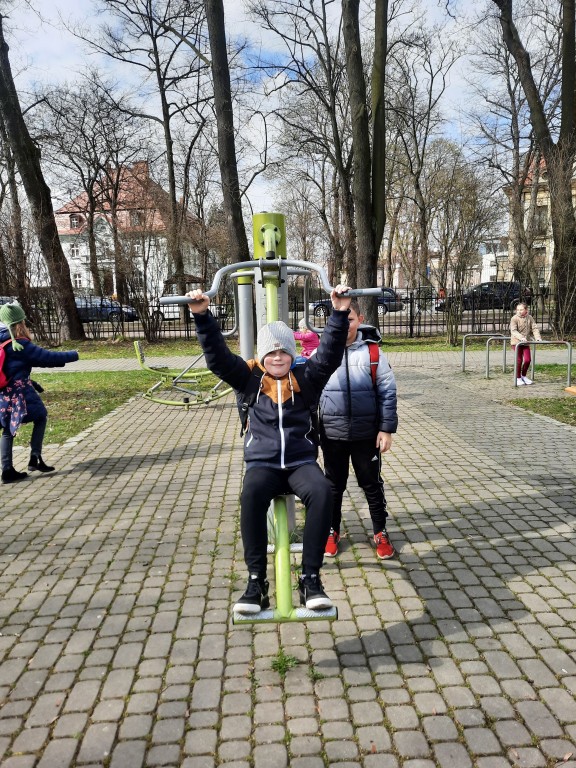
351	408
279	432
18	366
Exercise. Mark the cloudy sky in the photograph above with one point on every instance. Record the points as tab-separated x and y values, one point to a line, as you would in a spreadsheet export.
42	49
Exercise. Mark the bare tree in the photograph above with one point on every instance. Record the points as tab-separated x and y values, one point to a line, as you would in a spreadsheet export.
144	38
463	214
27	157
85	134
314	108
558	150
368	160
225	122
416	85
509	144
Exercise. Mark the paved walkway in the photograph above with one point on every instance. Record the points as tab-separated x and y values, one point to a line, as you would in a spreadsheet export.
118	573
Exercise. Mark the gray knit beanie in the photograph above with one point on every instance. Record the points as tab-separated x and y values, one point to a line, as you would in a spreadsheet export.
12	314
274	336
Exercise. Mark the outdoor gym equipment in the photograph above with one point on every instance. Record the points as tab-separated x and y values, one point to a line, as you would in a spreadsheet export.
262	291
534	344
173	382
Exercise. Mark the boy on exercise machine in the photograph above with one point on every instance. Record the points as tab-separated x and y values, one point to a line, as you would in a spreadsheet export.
280	445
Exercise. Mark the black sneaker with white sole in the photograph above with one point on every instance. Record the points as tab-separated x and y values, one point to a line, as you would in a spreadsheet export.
312	593
255	598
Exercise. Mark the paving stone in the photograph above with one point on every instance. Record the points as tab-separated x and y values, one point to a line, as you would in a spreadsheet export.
452	755
410	744
58	753
440	728
129	754
271	756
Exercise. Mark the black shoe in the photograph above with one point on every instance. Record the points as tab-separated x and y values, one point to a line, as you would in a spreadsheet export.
255	599
36	463
11	476
312	594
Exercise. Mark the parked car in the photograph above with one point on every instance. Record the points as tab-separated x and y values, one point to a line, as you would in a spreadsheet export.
94	308
172	311
389	301
8	299
496	294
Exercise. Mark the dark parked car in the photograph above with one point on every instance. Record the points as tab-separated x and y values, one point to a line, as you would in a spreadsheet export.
496	294
93	308
389	302
163	312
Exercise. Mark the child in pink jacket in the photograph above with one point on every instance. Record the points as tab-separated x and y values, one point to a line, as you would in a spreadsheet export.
308	339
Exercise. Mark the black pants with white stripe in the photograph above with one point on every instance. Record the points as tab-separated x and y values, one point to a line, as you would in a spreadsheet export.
261	485
367	463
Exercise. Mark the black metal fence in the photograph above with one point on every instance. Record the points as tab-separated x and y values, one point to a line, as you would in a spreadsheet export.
413	316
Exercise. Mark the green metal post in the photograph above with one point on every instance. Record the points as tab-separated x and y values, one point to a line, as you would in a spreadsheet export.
282	559
271	300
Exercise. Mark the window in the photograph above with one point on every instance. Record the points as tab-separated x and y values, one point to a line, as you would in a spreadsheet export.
75	221
77	279
137	218
74	251
541	220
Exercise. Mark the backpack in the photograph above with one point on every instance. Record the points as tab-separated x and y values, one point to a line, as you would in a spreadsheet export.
308	393
374	360
3	377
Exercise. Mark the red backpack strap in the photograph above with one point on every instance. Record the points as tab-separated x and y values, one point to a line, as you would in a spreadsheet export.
374	360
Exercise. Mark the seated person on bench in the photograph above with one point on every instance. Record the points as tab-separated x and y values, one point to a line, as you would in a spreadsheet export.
280	449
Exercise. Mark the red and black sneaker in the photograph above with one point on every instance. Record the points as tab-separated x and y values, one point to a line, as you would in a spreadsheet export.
331	549
384	548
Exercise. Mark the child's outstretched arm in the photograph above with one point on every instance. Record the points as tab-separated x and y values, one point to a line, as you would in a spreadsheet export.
220	360
328	356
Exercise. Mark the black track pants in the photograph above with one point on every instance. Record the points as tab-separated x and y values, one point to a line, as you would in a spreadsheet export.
261	485
367	463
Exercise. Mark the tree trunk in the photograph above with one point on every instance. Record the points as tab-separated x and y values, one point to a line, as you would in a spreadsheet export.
378	123
225	122
559	157
564	232
362	163
18	253
174	239
27	158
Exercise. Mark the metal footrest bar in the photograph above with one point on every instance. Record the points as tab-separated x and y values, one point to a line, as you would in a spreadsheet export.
297	614
293	548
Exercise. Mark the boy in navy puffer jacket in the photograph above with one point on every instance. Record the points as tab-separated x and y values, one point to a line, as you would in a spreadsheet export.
279	448
357	420
19	401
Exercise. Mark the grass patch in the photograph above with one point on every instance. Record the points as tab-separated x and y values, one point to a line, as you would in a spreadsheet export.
561	409
555	371
76	400
283	662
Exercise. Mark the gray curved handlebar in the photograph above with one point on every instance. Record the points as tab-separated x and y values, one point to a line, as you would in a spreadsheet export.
269	265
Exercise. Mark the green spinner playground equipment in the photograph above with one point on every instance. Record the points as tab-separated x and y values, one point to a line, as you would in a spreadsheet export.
261	291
